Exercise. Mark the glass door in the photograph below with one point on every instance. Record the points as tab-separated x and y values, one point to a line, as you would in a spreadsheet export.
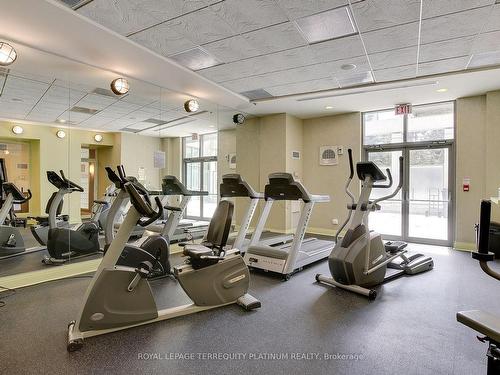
422	210
389	220
428	195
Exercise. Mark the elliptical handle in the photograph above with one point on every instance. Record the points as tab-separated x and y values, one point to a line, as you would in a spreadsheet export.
121	173
351	164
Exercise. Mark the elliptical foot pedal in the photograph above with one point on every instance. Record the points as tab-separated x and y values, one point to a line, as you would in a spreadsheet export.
249	302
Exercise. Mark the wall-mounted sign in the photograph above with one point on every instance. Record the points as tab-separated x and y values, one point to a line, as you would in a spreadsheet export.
159	159
402	109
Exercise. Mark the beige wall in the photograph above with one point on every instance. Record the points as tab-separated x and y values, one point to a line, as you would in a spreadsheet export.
226	146
477	155
341	130
294	142
137	151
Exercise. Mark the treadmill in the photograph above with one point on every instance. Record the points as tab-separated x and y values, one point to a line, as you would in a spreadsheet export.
233	186
291	257
173	228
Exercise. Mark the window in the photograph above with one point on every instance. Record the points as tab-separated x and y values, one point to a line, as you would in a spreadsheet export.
382	127
200	173
432	122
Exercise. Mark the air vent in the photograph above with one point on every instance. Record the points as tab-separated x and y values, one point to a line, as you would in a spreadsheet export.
332	24
131	130
88	111
104	92
256	94
3	147
22	166
355	79
73	3
155	121
296	155
195	59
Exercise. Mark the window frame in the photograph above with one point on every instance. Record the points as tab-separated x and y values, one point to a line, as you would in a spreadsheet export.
202	160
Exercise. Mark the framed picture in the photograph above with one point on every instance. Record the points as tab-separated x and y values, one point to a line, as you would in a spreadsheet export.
328	155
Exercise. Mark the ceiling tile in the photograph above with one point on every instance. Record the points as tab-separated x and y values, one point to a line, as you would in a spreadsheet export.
94	101
261	64
446	49
397	57
493	20
231	49
336	67
301	87
162	40
302	8
200	27
484	59
391	38
163	10
248	15
394	74
122	16
377	14
443	66
440	7
453	25
275	38
337	49
487	42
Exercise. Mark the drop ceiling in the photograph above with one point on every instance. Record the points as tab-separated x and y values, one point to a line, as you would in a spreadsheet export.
279	46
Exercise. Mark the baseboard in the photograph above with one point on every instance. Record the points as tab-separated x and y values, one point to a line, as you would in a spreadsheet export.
464	246
25	279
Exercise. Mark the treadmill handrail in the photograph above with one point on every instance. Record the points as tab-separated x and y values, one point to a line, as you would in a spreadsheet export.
317	198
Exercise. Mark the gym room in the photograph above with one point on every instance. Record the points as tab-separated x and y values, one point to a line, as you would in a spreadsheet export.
242	186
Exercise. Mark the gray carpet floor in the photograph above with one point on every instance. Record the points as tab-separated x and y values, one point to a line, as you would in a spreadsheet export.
410	328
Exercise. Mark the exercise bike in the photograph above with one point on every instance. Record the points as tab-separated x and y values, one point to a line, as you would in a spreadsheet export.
121	297
151	248
360	260
481	321
11	240
65	244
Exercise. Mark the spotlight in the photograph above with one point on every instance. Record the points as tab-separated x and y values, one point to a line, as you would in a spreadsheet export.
120	86
239	118
191	105
61	134
17	129
7	54
98	138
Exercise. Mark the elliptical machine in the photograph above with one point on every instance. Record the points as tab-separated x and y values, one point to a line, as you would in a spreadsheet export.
121	297
11	240
152	249
65	244
360	260
481	321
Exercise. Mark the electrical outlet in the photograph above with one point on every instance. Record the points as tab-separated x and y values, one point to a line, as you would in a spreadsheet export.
335	221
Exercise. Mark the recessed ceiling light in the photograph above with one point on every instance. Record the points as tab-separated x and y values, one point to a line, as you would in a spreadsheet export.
7	54
442	90
98	138
348	66
61	134
327	25
16	100
61	120
211	126
120	86
17	129
191	105
328	107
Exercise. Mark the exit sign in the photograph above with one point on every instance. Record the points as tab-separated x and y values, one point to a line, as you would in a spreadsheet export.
403	109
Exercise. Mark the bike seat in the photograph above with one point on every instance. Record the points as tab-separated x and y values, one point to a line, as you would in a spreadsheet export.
197	251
